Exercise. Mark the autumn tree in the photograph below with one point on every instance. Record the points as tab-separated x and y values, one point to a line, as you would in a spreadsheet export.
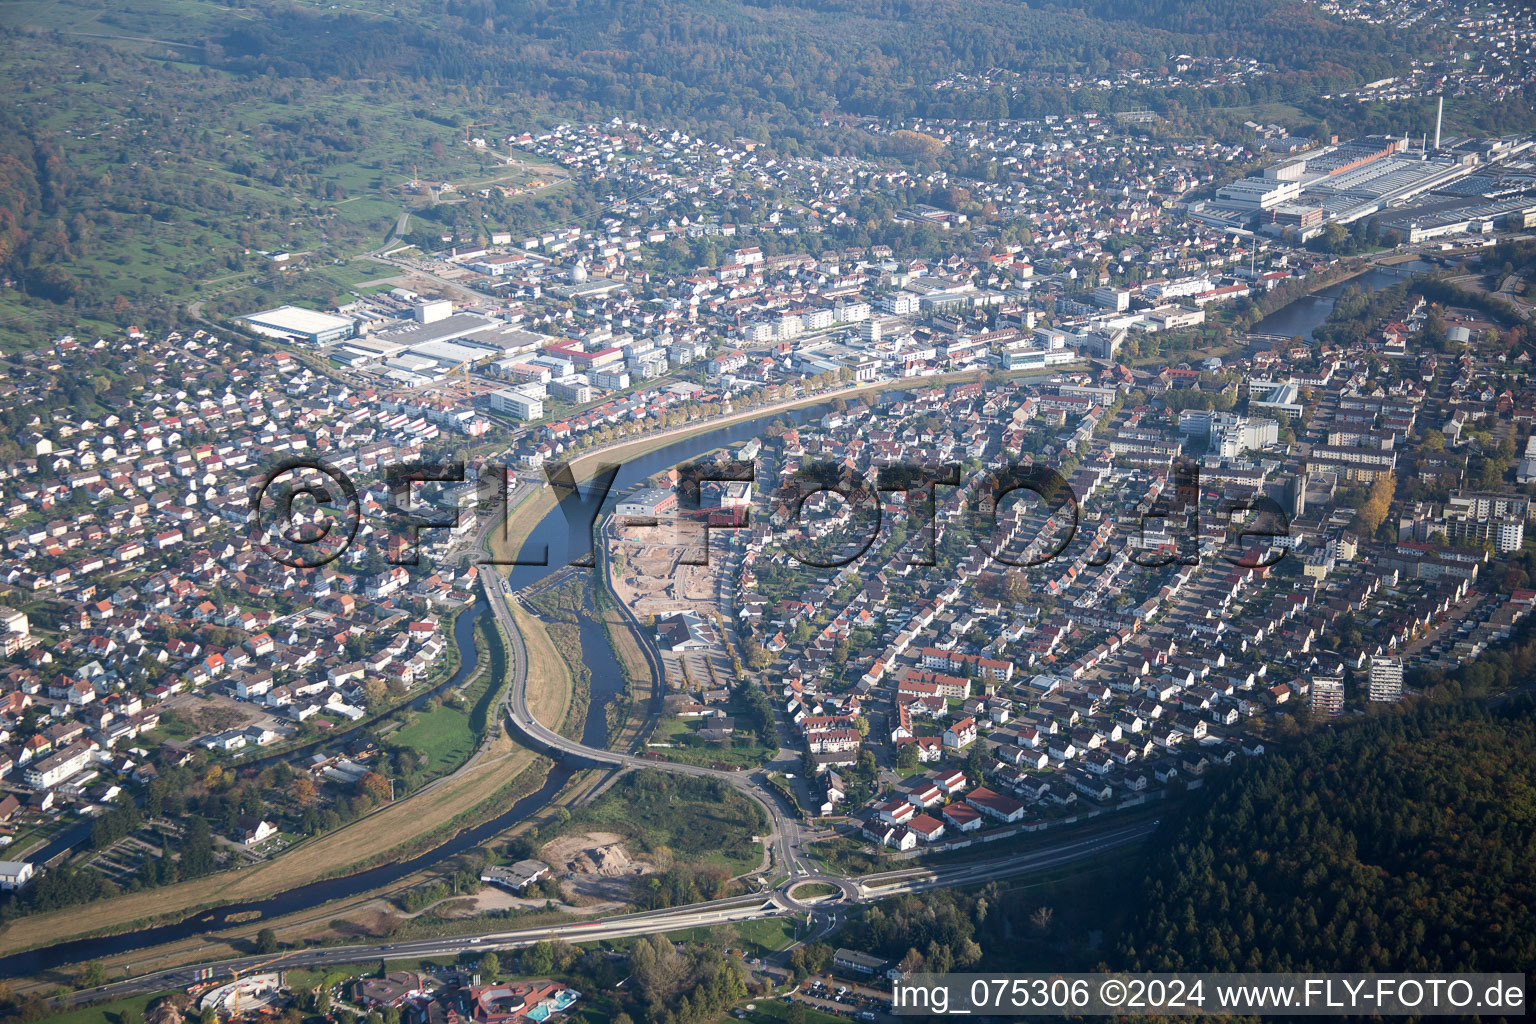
375	785
915	146
1016	588
1377	504
758	657
375	692
304	791
660	971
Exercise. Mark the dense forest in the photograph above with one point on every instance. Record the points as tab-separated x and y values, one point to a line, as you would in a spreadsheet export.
743	59
151	154
1399	843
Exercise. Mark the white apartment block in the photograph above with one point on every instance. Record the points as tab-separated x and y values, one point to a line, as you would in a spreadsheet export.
1386	683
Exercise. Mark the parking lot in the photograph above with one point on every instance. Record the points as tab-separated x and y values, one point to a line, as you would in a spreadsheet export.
844	998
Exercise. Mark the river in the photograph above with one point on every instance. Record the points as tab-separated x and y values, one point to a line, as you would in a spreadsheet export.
1299	318
464	640
565	544
568	540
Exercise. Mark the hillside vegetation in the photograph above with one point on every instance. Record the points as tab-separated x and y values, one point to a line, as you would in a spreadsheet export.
151	154
1403	844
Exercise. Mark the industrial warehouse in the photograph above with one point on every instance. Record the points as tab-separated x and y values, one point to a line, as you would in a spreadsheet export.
1423	189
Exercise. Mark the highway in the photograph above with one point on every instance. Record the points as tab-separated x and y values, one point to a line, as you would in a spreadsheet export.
785	843
784	838
696	915
733	909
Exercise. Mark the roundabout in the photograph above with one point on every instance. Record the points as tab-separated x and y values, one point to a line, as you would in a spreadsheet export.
814	891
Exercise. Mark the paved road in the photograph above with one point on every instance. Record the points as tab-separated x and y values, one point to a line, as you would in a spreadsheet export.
784	837
785	842
696	915
714	912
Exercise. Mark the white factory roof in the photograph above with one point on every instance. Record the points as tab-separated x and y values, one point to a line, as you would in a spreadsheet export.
414	335
373	347
405	378
449	352
300	321
412	363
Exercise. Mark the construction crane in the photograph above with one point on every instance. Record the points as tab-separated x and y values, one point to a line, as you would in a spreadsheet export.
254	968
477	124
464	366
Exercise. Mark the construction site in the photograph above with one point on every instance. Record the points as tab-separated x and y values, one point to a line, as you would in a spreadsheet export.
594	866
654	571
244	995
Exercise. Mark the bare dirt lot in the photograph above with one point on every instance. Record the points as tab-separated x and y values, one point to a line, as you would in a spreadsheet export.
650	571
600	866
650	575
212	712
492	898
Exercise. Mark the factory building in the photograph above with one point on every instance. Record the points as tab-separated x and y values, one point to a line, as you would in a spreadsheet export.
291	323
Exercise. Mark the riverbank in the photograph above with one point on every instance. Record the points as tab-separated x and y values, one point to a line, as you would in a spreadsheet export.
506	543
628	717
1304	311
438	814
623	647
394	832
550	672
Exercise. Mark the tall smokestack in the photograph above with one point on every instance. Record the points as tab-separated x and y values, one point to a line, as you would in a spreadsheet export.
1439	113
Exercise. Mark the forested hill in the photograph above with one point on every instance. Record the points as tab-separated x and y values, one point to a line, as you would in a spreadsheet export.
729	59
1403	844
151	148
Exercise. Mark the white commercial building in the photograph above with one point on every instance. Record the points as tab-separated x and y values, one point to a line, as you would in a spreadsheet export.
432	311
1117	299
515	403
54	769
1258	193
612	380
15	873
295	324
